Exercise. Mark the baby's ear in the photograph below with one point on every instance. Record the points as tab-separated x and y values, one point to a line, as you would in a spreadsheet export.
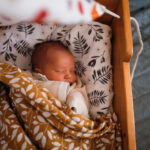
38	70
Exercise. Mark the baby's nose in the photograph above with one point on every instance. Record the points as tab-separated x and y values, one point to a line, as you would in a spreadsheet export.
68	75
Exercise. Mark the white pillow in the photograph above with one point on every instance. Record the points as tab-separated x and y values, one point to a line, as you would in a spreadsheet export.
90	45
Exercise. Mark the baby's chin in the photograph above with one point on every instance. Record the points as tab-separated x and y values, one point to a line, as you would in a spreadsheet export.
70	82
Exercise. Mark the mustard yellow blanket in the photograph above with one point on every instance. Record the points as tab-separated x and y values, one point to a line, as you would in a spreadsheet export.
31	118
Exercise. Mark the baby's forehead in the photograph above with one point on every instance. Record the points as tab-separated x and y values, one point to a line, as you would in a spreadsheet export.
59	56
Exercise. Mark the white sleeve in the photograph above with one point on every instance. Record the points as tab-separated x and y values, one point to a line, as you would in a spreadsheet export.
58	89
62	91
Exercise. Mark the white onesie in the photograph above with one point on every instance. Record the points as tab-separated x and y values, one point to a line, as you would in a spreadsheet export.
74	95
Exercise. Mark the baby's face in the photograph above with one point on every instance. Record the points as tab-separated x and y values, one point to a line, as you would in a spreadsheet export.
59	66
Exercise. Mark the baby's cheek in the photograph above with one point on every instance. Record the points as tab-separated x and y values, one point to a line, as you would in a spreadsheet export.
59	77
55	77
74	78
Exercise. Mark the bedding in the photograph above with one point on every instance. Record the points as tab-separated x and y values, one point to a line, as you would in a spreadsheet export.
74	95
90	45
31	118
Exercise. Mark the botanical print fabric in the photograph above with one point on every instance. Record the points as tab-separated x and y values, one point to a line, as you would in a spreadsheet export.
31	118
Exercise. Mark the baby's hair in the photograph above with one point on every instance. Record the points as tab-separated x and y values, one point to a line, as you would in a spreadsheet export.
40	49
50	42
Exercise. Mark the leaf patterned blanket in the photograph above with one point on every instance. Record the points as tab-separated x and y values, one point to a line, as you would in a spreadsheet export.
31	118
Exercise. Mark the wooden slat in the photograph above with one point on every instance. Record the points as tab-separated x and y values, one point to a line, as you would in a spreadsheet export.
122	53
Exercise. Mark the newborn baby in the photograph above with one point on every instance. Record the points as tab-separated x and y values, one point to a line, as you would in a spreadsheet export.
54	69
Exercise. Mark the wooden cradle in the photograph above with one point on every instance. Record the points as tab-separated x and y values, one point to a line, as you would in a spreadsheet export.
122	53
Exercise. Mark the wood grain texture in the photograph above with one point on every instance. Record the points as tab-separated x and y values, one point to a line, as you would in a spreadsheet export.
122	53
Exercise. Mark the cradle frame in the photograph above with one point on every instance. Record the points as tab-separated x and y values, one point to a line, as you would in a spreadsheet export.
122	46
122	52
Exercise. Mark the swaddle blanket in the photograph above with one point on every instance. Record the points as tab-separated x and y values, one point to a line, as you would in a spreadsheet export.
74	95
31	118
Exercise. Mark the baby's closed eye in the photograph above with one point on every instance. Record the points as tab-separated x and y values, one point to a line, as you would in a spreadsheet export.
65	71
60	71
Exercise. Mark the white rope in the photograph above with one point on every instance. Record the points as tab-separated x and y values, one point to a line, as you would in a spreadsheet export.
140	49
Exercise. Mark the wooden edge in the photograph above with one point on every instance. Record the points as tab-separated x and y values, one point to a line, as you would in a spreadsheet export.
128	32
122	27
129	107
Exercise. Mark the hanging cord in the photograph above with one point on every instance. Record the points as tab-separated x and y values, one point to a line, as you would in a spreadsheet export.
140	49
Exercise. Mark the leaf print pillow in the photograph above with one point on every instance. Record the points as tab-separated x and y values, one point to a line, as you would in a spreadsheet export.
90	45
17	42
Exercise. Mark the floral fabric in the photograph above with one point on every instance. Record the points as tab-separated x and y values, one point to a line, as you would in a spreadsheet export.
90	45
31	118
